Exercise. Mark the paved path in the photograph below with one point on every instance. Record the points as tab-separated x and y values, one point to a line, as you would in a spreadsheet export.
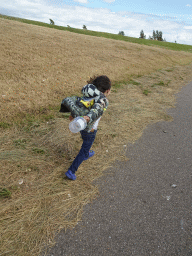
145	206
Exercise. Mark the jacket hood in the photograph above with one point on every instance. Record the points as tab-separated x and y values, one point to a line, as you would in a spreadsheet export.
91	91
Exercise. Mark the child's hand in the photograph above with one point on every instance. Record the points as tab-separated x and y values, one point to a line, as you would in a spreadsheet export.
87	118
70	118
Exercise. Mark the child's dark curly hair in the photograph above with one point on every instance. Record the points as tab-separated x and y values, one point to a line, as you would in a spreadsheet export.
102	83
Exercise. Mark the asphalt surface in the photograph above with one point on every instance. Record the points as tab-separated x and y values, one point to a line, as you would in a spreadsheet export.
145	204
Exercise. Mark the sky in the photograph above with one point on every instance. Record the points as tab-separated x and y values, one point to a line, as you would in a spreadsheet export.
172	17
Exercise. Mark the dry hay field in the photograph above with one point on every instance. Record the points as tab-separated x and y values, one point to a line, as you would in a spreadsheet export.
41	66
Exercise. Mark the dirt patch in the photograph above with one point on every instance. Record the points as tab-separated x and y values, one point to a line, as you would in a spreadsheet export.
34	154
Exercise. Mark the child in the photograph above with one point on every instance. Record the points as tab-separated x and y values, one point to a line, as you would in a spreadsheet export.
91	106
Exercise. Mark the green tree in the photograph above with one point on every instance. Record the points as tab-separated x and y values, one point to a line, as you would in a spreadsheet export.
52	22
154	35
157	35
160	36
142	35
121	33
84	27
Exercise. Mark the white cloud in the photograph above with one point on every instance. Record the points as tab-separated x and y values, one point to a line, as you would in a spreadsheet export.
188	5
100	19
187	27
81	1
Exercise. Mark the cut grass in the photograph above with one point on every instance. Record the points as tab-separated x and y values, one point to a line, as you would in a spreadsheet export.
35	176
146	92
134	82
161	83
38	151
21	143
4	125
5	193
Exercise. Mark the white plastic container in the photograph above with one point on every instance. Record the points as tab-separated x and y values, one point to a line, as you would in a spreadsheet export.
78	124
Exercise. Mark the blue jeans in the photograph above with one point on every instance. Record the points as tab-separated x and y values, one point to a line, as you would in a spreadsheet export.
88	139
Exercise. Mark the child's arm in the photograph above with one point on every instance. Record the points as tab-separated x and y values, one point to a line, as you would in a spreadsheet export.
97	110
85	117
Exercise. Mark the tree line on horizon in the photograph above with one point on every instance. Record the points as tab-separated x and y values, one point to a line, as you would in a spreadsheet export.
157	35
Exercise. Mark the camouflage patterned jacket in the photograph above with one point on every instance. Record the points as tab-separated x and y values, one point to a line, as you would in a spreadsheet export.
92	104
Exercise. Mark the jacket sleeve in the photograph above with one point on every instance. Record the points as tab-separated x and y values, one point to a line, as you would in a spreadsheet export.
97	109
69	105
